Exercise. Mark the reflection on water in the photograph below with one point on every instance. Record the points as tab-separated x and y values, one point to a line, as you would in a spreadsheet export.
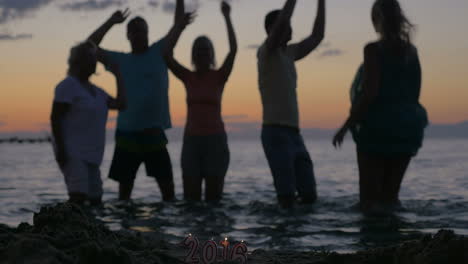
264	225
434	196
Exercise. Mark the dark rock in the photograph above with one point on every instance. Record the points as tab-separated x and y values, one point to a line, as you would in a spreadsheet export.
66	234
29	250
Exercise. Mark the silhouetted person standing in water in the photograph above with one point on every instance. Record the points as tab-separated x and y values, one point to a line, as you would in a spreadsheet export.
140	136
205	153
288	158
386	120
78	119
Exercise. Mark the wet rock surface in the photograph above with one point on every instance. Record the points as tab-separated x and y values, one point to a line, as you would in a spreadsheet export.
66	234
443	247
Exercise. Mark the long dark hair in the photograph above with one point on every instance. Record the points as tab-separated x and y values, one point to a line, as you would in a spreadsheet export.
395	26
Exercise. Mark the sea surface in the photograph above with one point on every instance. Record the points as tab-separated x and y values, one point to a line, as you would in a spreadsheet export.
434	196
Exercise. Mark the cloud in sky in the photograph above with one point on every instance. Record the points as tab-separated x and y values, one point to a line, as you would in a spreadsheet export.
168	6
89	5
326	49
332	52
15	9
2	123
13	37
153	3
253	46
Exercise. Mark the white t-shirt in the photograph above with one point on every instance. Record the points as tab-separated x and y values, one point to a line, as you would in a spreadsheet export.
278	82
84	126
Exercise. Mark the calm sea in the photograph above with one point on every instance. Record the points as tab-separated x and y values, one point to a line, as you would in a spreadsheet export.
434	194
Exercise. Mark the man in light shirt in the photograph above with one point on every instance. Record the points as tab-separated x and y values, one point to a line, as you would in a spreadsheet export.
288	158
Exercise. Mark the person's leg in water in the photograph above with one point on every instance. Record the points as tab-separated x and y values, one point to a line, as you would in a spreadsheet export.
192	185
371	173
125	190
215	166
123	169
95	185
158	165
277	146
191	171
76	179
305	177
395	171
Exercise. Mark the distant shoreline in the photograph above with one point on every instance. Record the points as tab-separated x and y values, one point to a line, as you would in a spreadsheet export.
18	140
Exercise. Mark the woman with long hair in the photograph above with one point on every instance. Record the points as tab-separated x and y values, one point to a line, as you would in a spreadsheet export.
205	153
386	119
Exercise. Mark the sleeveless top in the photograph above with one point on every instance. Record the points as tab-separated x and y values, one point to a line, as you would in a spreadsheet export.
395	121
204	96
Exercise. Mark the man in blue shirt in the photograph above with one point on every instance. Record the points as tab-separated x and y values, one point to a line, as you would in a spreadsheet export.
140	136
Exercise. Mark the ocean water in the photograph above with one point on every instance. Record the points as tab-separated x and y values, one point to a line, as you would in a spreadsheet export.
434	196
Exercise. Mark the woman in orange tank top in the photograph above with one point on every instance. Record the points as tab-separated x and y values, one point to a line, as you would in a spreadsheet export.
205	153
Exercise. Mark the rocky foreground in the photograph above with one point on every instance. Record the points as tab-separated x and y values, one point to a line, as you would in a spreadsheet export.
65	234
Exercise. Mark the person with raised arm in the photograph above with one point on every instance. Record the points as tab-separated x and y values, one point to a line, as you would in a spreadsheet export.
140	133
205	152
78	120
288	158
386	119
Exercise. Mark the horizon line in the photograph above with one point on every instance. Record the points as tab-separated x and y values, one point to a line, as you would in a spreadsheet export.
226	123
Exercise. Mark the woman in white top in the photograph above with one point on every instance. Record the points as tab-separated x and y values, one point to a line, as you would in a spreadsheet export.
78	120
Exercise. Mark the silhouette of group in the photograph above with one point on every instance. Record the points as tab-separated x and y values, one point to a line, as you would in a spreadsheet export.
386	119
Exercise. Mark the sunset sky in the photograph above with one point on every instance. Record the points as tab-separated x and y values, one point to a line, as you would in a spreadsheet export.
35	37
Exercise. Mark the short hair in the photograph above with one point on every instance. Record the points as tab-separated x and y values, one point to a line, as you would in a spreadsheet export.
76	52
135	21
271	18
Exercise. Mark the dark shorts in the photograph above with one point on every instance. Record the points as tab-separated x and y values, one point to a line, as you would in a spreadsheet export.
128	158
204	156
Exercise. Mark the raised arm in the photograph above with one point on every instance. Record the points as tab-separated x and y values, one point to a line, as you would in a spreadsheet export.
181	20
305	47
171	36
370	90
226	69
120	102
97	36
280	26
116	18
